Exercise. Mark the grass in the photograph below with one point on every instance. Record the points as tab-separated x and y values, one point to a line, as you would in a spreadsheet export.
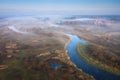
81	49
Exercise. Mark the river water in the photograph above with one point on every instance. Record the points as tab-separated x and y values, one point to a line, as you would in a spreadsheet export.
16	30
97	73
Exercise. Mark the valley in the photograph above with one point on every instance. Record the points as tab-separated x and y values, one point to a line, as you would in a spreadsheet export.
30	46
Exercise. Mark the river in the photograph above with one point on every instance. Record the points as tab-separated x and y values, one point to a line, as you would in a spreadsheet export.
97	73
16	30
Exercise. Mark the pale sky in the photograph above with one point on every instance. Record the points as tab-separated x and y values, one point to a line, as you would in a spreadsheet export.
54	7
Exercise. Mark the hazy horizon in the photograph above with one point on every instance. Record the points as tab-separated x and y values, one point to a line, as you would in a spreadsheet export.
61	7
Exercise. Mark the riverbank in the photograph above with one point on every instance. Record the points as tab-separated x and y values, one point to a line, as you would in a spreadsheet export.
67	42
81	51
72	62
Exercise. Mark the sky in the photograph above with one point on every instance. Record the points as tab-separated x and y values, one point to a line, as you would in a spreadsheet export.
60	7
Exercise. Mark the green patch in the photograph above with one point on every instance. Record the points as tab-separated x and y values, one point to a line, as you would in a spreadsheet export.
81	49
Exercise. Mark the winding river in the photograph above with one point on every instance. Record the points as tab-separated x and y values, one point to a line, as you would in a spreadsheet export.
78	61
16	30
82	64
